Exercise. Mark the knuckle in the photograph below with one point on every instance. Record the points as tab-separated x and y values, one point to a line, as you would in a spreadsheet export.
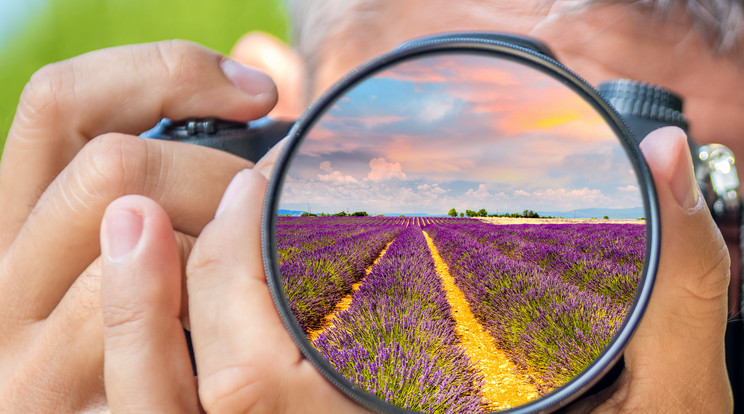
715	273
124	323
202	263
175	56
232	389
110	164
46	90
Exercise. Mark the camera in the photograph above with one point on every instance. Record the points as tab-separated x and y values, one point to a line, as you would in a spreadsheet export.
645	107
249	140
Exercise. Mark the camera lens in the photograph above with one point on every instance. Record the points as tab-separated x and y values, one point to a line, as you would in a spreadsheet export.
643	106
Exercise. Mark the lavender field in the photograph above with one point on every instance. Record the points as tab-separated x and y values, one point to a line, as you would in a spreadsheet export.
372	298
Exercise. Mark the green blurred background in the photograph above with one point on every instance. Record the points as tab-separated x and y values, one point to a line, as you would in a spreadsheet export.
36	32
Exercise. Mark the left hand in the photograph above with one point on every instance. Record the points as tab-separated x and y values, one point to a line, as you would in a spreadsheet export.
68	155
247	362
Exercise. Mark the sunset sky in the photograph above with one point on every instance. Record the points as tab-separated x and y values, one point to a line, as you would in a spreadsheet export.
462	131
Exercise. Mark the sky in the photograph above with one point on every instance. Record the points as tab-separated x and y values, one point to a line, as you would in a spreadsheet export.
459	131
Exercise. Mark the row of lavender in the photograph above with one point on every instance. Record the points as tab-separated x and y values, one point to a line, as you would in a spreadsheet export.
320	260
551	322
603	258
397	339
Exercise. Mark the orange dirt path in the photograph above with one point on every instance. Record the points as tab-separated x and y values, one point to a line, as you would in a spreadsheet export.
504	386
345	302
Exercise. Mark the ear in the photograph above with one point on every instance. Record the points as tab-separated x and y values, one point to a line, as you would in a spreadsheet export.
281	63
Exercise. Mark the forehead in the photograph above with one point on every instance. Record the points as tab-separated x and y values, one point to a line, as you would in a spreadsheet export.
598	43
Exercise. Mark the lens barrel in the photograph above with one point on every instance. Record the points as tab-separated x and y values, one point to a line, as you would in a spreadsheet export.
643	106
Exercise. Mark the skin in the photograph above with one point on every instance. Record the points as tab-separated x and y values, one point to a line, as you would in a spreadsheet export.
70	156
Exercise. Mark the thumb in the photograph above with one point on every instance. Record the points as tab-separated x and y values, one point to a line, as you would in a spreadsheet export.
677	354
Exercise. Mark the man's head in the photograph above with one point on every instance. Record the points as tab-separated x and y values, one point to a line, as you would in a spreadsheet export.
341	32
692	47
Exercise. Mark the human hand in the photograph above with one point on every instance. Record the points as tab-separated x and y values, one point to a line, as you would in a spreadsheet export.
68	155
246	359
675	361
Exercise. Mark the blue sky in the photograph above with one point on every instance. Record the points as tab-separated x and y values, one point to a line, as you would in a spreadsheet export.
467	132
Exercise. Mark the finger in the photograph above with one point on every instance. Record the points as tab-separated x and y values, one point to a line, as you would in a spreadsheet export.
267	163
55	368
245	356
42	355
124	89
65	223
146	365
285	66
681	334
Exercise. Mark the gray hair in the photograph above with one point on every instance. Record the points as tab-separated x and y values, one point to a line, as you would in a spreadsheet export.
720	22
316	23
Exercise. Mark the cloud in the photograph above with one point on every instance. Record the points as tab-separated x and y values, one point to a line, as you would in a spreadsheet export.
629	189
431	190
336	177
434	110
381	169
480	194
571	198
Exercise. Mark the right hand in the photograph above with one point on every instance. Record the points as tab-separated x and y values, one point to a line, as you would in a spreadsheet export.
675	361
71	151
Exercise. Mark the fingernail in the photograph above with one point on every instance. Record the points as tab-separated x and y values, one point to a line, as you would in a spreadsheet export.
248	80
668	149
123	232
683	183
238	183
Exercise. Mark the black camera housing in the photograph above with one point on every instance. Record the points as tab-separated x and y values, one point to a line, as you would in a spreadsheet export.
249	140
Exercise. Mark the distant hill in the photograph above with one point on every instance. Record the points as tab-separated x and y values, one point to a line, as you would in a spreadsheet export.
293	213
297	213
613	213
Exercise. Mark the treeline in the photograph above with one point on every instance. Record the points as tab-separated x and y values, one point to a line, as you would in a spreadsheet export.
483	213
339	214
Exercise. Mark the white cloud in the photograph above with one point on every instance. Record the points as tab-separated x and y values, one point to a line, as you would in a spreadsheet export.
431	190
435	110
336	177
629	189
480	194
381	169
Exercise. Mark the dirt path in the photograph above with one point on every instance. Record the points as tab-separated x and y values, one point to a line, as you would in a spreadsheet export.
345	302
504	386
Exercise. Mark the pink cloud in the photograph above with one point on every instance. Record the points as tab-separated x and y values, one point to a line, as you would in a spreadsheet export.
381	169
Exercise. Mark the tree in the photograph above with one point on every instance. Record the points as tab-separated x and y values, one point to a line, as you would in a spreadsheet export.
340	214
470	213
462	214
452	212
482	213
360	214
606	218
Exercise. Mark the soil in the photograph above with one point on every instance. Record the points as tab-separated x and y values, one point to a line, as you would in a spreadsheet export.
504	386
